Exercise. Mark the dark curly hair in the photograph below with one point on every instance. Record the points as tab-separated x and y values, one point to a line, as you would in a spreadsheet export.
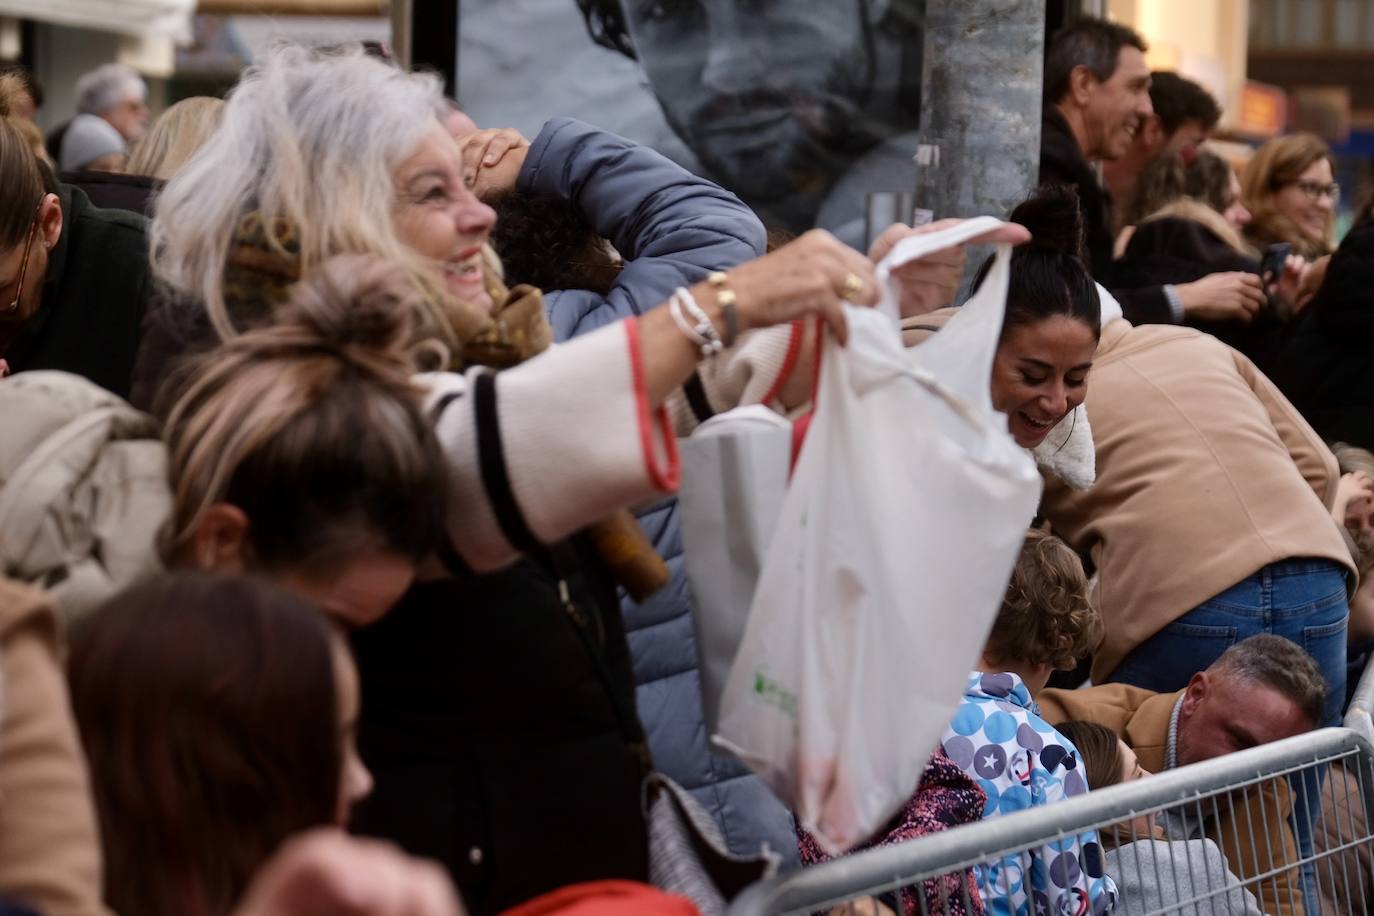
1046	616
1048	273
1176	99
545	242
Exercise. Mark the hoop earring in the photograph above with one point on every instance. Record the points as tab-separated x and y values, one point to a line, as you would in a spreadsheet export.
1073	424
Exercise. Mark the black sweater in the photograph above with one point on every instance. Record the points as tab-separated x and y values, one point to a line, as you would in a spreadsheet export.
1326	367
94	294
1063	163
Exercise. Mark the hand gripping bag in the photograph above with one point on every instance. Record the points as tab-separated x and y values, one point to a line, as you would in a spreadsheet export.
889	561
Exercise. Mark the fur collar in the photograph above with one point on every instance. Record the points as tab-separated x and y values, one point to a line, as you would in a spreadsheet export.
1068	451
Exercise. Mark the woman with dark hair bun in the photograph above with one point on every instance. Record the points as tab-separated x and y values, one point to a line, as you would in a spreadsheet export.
1052	320
217	715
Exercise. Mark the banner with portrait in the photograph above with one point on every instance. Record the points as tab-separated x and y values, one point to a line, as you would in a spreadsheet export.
801	107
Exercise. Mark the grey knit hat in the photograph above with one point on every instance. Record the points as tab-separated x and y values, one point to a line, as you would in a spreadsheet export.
88	137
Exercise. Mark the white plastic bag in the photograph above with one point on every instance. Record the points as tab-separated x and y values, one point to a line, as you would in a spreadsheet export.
904	516
734	479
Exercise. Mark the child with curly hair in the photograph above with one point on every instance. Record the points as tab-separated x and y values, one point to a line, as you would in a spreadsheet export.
999	739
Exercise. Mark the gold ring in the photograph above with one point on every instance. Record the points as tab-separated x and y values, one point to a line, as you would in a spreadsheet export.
853	285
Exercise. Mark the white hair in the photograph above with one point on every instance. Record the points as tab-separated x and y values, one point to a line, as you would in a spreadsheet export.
309	137
101	89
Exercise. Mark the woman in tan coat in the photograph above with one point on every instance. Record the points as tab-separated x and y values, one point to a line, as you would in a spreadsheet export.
1209	520
49	844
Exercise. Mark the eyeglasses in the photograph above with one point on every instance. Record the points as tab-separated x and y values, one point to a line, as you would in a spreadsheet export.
24	264
1315	190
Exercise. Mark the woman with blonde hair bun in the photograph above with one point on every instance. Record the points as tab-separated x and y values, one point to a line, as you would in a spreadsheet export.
1290	188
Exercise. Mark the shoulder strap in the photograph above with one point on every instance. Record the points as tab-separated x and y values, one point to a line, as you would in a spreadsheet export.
496	481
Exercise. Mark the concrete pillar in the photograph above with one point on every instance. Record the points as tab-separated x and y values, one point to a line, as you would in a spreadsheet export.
981	106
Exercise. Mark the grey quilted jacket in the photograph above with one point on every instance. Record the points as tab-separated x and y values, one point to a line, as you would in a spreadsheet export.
671	228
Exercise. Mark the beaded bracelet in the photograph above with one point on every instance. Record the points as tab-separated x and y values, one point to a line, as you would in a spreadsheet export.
703	333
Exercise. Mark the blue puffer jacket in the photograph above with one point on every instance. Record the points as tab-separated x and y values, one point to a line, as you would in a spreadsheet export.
672	228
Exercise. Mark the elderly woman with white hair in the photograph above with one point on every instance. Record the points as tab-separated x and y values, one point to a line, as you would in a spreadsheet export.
498	712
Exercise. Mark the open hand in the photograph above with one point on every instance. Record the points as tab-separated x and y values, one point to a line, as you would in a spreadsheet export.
492	159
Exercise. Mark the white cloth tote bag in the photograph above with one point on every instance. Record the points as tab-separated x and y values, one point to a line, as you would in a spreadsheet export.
904	516
734	479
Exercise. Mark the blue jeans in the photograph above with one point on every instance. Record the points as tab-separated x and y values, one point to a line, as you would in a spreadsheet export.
1303	601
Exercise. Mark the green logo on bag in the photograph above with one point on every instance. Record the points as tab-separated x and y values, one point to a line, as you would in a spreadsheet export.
774	694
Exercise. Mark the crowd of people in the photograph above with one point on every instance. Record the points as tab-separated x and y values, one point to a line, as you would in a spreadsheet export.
320	593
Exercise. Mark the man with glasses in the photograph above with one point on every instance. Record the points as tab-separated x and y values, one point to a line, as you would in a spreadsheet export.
73	277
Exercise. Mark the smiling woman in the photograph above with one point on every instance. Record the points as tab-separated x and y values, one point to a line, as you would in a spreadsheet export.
1052	320
1052	323
1290	190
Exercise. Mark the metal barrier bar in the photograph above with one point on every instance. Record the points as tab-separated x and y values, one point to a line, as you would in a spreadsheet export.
888	868
1359	714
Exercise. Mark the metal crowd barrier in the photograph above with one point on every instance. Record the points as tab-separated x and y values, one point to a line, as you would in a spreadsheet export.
1157	875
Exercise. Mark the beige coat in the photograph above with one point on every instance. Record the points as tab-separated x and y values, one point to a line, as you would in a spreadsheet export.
1205	475
49	841
1254	835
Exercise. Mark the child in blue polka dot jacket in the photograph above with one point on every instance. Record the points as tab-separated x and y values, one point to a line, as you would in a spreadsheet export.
998	738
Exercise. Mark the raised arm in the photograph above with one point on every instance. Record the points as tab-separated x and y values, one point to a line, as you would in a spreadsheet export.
546	447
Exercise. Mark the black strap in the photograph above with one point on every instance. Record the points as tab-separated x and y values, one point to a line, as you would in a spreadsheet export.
496	481
442	405
696	398
491	456
626	717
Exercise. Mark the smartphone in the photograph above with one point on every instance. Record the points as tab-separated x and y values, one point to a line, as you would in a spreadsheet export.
1275	257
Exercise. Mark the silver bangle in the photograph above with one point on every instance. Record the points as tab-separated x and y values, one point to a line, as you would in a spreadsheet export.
703	332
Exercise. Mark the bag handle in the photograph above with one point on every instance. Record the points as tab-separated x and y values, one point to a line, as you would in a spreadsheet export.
914	247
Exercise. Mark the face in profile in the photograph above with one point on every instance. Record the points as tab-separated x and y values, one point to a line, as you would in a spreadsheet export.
1117	108
130	116
1236	213
768	93
1209	727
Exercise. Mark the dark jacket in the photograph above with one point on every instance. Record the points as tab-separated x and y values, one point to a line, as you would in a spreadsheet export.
1177	249
1063	163
116	190
1326	367
500	731
94	295
672	228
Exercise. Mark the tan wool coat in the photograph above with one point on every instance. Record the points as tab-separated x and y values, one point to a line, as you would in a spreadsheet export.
1205	475
1253	831
49	840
